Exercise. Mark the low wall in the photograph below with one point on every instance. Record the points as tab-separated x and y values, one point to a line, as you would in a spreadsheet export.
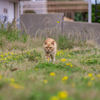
80	27
46	24
33	23
92	30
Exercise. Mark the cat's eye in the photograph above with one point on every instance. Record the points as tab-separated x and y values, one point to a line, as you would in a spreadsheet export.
50	47
46	47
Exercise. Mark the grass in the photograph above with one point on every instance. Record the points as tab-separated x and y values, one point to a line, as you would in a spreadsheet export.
25	75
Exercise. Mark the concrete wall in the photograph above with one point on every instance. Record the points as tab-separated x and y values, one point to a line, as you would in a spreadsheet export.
80	27
84	29
32	23
47	24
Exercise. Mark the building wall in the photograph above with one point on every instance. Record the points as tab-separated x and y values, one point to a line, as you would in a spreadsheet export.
4	9
8	10
36	4
11	12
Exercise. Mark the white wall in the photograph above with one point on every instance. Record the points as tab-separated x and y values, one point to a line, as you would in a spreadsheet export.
3	5
11	11
38	6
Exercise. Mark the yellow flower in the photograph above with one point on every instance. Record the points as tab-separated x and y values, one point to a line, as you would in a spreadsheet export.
58	21
67	63
48	59
2	56
57	53
63	94
15	53
73	84
54	98
52	74
36	68
66	48
12	80
64	78
45	81
12	53
71	65
63	60
28	52
16	86
98	75
0	76
89	84
92	78
90	75
69	55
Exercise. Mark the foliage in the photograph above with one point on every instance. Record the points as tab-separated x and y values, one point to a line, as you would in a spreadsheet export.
12	33
65	42
78	16
93	13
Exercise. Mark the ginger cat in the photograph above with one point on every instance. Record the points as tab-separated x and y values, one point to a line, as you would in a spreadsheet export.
50	48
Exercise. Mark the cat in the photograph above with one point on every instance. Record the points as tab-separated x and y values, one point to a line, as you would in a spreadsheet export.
50	48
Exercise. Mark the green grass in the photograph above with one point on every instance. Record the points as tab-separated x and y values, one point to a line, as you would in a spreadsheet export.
25	75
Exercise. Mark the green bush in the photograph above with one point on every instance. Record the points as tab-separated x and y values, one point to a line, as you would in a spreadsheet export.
12	33
34	56
64	42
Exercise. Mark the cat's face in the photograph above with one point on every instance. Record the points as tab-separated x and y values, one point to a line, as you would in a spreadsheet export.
49	46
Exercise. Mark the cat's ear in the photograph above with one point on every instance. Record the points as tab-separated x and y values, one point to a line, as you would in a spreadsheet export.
45	42
52	42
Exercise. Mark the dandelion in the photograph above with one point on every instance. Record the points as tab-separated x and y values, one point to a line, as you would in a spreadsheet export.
67	64
90	75
52	74
81	60
16	86
71	65
64	78
12	80
63	94
48	59
36	68
45	81
69	55
58	21
89	84
54	98
73	84
63	60
0	76
12	53
66	48
92	78
98	75
2	56
57	53
15	53
28	52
